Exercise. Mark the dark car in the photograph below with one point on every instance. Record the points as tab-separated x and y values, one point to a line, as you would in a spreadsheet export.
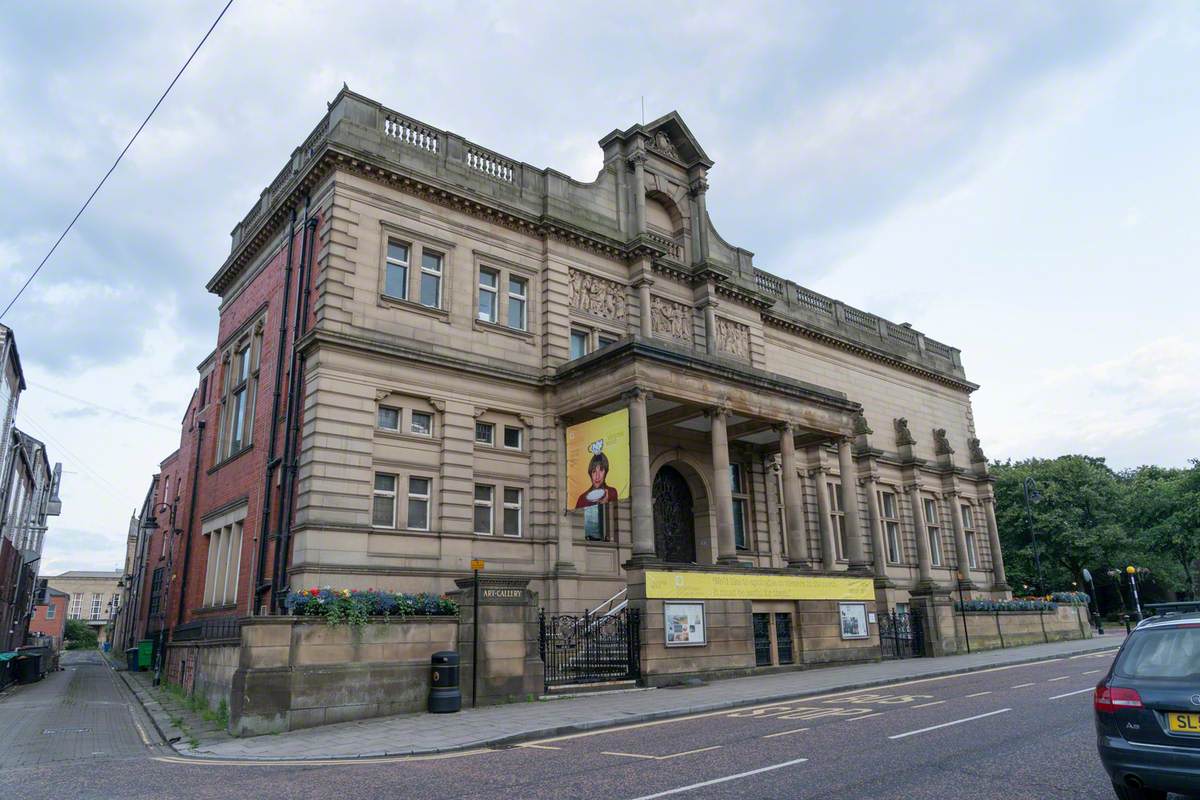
1148	710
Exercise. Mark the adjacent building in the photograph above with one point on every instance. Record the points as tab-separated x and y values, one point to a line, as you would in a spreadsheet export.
49	618
408	323
94	596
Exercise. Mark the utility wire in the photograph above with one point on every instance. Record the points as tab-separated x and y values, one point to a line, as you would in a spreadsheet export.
95	191
98	407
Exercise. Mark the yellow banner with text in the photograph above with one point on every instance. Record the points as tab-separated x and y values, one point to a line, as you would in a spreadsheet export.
734	586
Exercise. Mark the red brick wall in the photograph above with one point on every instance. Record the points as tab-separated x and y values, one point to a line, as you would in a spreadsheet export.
51	627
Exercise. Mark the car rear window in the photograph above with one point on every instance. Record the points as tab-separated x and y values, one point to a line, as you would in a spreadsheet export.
1161	653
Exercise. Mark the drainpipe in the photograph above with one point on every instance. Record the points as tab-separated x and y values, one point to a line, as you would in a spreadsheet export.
283	530
260	562
191	521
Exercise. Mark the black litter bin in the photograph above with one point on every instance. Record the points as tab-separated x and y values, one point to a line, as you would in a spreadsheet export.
27	669
40	656
131	659
444	694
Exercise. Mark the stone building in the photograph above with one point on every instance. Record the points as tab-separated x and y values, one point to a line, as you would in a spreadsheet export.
409	321
94	596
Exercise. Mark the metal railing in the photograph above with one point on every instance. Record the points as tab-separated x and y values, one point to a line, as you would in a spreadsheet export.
208	630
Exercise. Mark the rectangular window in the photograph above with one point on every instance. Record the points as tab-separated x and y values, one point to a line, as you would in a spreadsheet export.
933	528
489	282
421	424
431	280
418	503
838	518
512	511
96	606
383	508
593	523
579	343
604	341
891	526
518	289
76	606
485	433
238	400
483	509
512	437
741	502
396	281
968	518
51	610
389	418
156	581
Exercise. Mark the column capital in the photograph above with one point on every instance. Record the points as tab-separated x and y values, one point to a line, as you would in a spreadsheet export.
870	477
698	187
783	427
643	281
913	486
709	302
950	494
718	410
636	159
636	393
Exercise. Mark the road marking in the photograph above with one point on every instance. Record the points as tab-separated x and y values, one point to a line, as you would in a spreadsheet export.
539	747
948	724
328	762
663	758
927	705
1100	654
1059	678
978	694
868	716
726	779
1072	694
785	733
1023	685
1090	672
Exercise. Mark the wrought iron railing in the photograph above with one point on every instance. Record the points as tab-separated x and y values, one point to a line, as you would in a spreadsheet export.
208	630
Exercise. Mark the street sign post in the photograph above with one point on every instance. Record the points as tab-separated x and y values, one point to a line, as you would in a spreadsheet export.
476	566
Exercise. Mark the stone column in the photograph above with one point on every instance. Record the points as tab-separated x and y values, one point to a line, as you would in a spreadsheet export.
875	519
566	535
793	502
639	479
722	487
854	542
710	327
924	560
643	286
638	162
989	511
824	520
960	537
697	189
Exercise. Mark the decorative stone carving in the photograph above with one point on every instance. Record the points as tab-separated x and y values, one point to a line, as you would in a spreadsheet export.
941	445
733	338
438	404
698	187
977	456
381	394
661	143
597	296
904	437
671	319
861	428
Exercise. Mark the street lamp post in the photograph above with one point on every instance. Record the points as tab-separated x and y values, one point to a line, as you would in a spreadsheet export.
1032	495
963	608
1094	596
1137	603
167	508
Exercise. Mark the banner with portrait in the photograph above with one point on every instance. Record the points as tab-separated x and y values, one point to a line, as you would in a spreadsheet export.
598	461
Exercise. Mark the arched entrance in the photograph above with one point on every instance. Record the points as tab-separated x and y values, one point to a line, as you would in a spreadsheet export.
674	517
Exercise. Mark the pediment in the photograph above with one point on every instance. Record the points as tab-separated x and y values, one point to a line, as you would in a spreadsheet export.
669	135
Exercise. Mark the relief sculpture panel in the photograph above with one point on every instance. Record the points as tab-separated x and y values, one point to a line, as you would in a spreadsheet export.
670	319
733	338
597	296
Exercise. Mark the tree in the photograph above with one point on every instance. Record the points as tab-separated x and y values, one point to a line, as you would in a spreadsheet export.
1162	513
79	635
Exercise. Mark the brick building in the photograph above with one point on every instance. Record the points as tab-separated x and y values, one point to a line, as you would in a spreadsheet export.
49	617
408	321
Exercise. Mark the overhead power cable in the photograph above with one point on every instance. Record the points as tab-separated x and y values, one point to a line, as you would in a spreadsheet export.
87	202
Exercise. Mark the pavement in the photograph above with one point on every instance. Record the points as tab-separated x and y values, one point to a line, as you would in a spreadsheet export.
490	726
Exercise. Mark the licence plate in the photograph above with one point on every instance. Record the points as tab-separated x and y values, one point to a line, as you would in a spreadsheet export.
1183	723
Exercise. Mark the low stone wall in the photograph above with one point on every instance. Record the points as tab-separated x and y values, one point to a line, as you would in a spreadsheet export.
298	673
204	668
989	630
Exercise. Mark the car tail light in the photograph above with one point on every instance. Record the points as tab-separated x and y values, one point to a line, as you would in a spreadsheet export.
1109	700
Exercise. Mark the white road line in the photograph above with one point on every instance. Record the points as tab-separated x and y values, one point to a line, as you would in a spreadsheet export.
978	694
866	716
1090	672
662	758
1059	678
1072	694
726	779
948	724
539	746
785	733
1022	685
927	705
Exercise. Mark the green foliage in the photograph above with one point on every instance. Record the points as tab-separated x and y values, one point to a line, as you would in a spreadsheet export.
1092	517
78	635
356	606
1005	605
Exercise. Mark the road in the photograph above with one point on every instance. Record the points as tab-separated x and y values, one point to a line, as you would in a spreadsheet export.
1022	732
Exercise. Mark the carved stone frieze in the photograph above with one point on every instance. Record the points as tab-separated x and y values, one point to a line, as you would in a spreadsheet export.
597	296
733	338
661	143
671	319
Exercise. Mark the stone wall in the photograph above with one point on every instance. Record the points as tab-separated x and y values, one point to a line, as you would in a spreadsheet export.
204	668
988	630
296	673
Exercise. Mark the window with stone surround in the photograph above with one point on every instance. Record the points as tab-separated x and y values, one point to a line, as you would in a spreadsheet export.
76	608
485	433
240	362
502	296
518	301
224	563
419	492
890	512
484	503
741	505
933	528
837	515
420	423
431	279
489	294
389	418
395	281
97	598
514	507
383	501
968	518
585	339
514	437
407	416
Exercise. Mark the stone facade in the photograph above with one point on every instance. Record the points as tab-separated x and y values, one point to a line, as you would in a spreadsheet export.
409	321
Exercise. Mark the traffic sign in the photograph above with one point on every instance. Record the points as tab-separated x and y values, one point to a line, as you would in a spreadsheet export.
476	564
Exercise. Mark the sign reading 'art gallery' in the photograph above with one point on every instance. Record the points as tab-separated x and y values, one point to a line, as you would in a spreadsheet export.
598	461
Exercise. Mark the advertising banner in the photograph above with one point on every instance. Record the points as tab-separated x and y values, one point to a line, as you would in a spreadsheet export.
598	461
732	586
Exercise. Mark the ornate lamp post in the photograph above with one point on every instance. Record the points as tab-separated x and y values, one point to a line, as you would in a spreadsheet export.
1032	495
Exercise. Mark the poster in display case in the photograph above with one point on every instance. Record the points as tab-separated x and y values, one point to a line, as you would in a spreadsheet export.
684	624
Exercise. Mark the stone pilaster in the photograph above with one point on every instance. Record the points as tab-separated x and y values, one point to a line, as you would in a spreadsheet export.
564	563
854	541
643	288
710	326
989	511
960	539
793	500
824	520
924	559
642	508
638	162
875	521
722	487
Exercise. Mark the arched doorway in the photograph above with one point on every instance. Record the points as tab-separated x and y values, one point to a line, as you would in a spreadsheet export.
674	517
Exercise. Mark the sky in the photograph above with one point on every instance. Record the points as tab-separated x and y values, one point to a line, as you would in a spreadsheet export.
1016	179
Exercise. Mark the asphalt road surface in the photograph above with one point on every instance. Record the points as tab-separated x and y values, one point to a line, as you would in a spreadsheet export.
1013	733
